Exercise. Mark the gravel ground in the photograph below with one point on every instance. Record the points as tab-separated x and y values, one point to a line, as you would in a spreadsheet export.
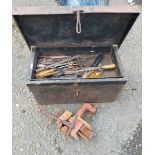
117	125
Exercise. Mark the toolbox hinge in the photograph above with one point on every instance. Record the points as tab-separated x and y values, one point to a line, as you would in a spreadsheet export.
115	45
33	48
78	22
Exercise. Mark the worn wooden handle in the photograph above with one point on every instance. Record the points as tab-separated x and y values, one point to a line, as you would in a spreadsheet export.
111	66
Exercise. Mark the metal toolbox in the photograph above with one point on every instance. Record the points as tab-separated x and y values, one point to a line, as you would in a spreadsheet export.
71	31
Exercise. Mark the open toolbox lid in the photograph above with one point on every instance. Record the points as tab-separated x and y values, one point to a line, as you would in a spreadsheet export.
57	26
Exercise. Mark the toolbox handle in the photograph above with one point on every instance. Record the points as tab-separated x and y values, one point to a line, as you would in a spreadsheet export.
78	22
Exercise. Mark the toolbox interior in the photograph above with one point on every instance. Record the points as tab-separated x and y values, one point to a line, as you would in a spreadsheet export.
87	55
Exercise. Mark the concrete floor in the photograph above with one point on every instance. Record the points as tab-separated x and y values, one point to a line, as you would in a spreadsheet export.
117	125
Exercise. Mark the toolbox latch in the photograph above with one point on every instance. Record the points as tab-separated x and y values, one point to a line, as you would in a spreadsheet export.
77	89
78	22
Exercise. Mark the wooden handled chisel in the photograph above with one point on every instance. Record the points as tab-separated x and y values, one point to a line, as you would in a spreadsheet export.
106	67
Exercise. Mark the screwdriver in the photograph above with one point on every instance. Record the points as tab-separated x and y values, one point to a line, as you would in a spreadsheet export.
46	73
106	67
98	60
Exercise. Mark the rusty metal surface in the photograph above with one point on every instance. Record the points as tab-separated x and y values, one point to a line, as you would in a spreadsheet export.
85	44
56	30
89	90
65	94
40	10
45	27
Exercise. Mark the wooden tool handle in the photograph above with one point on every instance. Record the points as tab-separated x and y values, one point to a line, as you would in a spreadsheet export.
111	66
106	67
